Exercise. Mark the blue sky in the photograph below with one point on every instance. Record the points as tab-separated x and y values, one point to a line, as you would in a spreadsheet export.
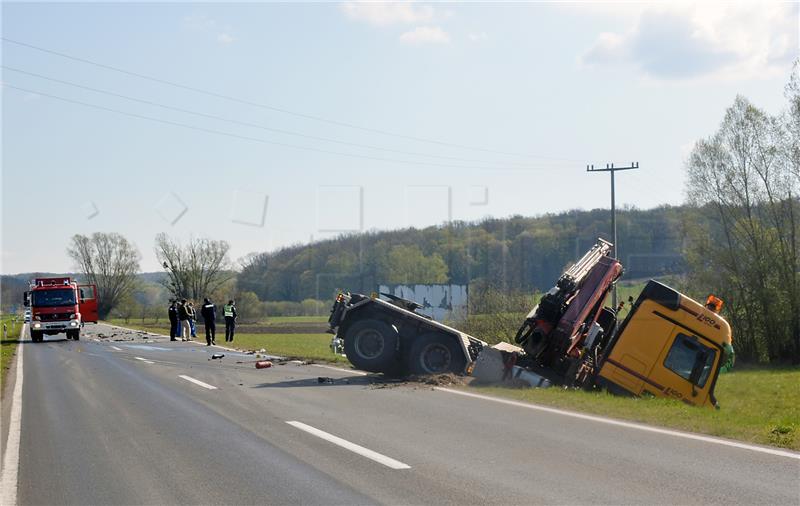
506	103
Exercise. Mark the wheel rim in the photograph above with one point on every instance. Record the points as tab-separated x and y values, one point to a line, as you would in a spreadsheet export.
436	358
369	344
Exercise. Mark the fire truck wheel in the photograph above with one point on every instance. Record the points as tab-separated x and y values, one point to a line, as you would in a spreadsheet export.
371	345
435	353
37	336
73	334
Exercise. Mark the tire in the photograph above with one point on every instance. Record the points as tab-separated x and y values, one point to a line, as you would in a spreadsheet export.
435	353
37	336
73	334
371	345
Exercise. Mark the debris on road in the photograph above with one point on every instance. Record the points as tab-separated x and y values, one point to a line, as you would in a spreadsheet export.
216	356
325	379
263	364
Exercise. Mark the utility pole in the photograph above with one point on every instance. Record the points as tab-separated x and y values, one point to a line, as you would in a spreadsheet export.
610	168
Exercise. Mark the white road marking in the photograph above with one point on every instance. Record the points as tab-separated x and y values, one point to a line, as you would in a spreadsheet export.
144	360
364	452
197	382
10	472
115	348
351	371
629	425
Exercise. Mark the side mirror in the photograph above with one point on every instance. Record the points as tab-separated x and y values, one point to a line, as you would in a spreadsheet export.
697	370
26	299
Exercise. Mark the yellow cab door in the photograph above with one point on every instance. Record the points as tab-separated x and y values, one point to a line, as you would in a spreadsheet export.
637	349
686	367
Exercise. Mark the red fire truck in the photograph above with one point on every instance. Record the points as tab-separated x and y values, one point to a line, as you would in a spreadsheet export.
60	305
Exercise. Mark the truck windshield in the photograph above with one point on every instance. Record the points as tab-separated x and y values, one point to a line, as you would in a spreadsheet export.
51	298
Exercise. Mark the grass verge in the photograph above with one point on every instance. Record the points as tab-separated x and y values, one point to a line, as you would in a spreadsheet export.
8	345
757	405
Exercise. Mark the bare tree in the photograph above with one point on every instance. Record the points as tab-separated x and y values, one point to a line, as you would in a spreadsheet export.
195	270
108	261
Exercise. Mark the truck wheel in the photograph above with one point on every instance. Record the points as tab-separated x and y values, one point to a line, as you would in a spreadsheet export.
36	336
73	334
435	353
76	335
371	345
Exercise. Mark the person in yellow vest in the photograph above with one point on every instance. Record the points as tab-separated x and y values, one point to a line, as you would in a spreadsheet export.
229	311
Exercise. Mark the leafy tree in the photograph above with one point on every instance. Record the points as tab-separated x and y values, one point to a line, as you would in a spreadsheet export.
109	261
742	234
408	264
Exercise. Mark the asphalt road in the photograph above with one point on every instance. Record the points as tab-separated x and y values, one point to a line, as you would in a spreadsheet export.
124	420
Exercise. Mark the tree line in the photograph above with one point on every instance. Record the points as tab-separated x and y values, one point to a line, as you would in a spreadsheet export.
516	254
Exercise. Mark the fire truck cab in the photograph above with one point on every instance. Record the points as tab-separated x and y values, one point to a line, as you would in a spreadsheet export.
60	305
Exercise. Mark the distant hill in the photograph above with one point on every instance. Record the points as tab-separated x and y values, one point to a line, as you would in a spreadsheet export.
515	254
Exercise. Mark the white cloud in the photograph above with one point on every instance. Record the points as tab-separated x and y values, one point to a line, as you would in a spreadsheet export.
425	35
711	40
204	24
224	38
478	36
388	13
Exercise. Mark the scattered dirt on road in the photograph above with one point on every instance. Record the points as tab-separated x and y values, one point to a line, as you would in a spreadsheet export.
438	380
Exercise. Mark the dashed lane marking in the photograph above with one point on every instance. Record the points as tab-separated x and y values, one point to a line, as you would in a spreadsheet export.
360	450
197	382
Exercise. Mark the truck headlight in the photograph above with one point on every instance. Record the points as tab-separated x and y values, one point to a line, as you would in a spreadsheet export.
73	323
37	325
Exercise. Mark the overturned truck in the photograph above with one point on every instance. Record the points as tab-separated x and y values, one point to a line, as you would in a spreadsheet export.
668	345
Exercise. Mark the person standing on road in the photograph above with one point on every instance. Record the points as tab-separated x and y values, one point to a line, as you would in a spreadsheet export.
209	314
174	326
183	316
192	319
230	320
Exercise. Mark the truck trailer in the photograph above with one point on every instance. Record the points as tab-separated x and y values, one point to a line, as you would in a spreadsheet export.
668	345
60	305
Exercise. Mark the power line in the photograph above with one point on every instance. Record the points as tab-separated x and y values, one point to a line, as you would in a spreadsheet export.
274	108
244	137
248	124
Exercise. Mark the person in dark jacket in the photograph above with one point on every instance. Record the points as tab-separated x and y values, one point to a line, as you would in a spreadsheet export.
183	316
229	311
174	327
209	314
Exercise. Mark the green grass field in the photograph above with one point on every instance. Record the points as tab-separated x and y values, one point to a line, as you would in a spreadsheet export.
757	405
302	346
8	345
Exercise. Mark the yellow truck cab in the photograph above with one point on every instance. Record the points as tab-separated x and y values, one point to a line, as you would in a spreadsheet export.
668	346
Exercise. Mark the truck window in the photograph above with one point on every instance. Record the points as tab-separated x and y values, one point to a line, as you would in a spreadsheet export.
685	352
87	292
51	298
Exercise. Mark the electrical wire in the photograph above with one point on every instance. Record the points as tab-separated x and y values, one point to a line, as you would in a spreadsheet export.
248	138
248	124
277	109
